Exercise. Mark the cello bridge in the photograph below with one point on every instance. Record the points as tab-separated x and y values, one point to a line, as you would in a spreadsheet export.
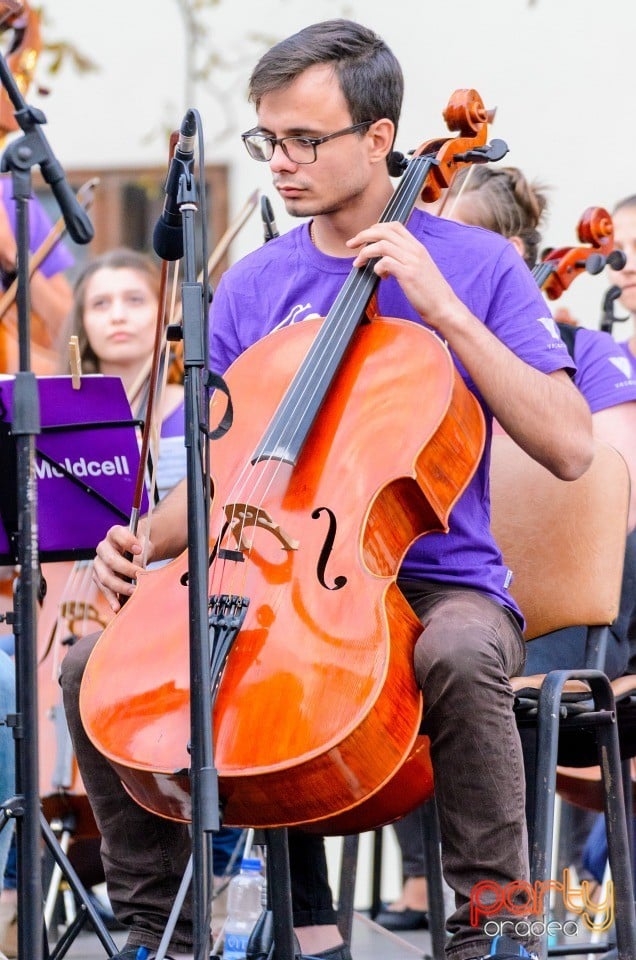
240	516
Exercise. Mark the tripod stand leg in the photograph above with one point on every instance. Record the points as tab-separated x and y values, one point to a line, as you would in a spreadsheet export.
77	887
279	886
53	891
186	880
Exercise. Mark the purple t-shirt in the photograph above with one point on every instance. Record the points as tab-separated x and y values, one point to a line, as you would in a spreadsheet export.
172	426
39	226
289	280
605	374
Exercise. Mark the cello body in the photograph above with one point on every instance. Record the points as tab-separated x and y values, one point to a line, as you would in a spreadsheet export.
317	705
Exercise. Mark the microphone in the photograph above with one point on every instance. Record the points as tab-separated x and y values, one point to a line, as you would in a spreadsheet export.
77	221
167	239
270	230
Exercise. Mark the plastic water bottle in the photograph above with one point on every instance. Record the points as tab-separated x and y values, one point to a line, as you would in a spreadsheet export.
243	908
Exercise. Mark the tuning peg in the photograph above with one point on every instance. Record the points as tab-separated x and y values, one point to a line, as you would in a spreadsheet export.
616	260
489	153
497	150
594	264
397	163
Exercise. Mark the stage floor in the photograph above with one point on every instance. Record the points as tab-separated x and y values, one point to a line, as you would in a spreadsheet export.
369	942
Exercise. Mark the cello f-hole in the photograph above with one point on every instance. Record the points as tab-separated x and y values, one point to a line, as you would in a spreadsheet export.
327	549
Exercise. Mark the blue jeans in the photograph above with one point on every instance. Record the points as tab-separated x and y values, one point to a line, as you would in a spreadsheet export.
223	844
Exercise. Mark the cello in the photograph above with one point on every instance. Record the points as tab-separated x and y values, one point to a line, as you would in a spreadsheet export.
596	250
308	729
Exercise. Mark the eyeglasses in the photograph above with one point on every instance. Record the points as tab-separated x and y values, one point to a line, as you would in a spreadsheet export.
297	149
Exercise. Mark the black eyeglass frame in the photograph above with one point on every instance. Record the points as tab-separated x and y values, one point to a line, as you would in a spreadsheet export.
311	141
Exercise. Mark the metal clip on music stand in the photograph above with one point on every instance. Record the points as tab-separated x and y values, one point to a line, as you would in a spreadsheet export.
78	479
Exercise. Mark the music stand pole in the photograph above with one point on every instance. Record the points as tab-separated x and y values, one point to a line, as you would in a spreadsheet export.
204	777
26	426
19	157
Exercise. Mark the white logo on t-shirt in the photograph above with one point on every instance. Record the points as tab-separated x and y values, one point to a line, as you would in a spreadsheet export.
623	364
551	327
294	315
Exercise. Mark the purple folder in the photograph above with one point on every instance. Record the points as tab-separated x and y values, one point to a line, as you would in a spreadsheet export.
87	455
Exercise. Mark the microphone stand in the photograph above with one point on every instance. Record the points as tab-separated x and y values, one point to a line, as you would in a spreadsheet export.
26	426
219	617
204	776
19	157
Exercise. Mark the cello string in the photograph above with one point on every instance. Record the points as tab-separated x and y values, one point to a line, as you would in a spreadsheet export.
332	335
358	286
305	385
349	304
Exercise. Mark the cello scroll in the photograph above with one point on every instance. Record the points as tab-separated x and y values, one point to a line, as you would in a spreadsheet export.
560	266
466	114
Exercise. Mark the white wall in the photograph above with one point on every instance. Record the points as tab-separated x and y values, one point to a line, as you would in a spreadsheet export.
559	71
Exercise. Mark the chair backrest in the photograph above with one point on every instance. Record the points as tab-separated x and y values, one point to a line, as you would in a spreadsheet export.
564	541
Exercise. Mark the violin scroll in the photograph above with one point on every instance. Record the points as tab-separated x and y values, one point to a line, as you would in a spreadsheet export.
596	227
561	265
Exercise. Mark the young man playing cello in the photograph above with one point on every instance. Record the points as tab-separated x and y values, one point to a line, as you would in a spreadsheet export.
328	101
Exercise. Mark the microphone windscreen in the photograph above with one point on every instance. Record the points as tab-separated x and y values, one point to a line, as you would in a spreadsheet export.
167	240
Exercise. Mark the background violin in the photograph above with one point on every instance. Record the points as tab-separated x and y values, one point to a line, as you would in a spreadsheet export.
22	55
560	266
45	357
51	296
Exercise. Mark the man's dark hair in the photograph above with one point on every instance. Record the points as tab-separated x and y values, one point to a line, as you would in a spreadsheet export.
369	74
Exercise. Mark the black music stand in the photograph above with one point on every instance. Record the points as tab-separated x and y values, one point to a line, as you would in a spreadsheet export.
85	464
29	150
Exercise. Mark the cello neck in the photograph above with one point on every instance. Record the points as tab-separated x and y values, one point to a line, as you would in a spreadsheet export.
541	272
288	430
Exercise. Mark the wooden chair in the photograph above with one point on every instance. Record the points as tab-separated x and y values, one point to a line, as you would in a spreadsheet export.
565	543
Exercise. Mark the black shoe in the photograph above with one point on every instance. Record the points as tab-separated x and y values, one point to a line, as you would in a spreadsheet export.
403	920
261	941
